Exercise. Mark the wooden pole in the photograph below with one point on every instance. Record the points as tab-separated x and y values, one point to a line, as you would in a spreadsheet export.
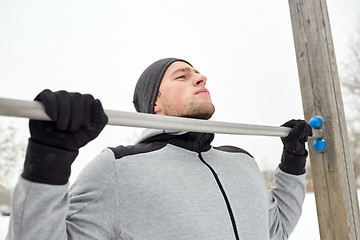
332	171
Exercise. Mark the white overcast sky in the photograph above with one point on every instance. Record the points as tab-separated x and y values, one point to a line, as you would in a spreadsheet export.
245	48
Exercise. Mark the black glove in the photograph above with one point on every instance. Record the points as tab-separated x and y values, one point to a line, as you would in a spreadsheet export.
76	120
294	153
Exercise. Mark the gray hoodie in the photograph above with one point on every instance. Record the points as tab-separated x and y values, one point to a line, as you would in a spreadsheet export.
166	187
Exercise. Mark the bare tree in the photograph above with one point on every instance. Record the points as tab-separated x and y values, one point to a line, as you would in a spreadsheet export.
350	80
12	151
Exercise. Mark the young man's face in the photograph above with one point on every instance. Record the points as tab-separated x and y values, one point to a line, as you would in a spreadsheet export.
182	93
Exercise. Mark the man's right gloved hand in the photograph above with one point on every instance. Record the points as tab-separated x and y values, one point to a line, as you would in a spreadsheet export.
53	146
77	119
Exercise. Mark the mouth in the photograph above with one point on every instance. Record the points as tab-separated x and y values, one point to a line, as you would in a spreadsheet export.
202	90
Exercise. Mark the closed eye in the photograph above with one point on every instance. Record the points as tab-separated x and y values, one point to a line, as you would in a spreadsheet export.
180	77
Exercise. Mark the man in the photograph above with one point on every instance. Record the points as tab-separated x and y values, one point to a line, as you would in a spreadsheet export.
170	185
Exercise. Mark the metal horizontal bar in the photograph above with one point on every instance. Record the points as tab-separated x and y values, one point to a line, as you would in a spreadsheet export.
35	110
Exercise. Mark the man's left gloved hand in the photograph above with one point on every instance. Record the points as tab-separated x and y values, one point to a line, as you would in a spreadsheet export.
294	153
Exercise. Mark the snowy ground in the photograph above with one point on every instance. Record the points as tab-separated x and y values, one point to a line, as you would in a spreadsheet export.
307	228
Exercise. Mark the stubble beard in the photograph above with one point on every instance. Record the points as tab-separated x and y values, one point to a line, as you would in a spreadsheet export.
195	110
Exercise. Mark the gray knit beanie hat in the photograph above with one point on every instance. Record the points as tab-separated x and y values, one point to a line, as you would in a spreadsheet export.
147	87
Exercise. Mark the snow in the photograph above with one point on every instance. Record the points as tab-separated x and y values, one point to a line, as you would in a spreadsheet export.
307	227
4	224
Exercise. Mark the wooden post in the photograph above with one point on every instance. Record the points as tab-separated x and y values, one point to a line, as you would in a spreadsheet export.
332	171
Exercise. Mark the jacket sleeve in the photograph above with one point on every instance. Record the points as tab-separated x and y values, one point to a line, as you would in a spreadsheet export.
285	204
87	210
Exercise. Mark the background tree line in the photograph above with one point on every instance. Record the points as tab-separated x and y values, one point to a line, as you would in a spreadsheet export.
350	80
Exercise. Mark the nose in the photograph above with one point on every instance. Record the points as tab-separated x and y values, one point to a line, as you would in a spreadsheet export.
200	80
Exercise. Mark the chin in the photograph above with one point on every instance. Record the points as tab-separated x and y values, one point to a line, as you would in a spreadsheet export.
204	113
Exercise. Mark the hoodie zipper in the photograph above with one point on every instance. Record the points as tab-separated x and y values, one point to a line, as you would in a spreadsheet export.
230	212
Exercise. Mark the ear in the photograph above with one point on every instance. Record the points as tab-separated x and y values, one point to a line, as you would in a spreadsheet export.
157	109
